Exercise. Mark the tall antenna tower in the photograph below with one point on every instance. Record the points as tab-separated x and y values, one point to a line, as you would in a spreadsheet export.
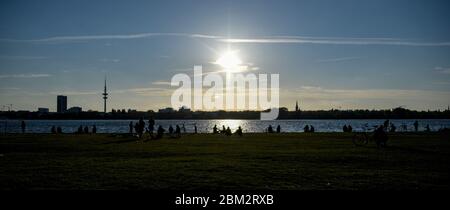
105	96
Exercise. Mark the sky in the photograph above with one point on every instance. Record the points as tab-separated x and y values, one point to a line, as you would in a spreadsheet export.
342	54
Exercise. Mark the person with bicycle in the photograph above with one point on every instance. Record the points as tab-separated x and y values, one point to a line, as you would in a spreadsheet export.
380	136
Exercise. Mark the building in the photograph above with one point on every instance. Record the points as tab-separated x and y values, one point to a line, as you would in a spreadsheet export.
43	110
75	109
61	105
184	109
166	110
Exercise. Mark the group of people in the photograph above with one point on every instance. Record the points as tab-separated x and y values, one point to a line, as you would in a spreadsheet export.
140	129
308	129
86	129
347	129
270	129
227	131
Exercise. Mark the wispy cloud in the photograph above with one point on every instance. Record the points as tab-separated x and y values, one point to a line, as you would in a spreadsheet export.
243	40
4	76
72	93
21	57
109	37
161	83
333	60
442	70
335	41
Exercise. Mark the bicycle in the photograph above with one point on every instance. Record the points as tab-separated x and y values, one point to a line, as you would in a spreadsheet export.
363	138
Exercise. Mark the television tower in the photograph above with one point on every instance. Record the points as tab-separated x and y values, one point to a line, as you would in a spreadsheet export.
105	96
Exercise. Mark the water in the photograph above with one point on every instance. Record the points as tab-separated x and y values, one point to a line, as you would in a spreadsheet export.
205	126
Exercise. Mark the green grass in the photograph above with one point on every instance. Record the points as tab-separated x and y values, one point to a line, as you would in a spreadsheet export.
319	161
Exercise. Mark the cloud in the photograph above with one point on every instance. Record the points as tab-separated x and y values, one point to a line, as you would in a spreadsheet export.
108	37
333	60
108	60
161	83
69	93
442	70
20	57
243	40
4	76
312	92
335	41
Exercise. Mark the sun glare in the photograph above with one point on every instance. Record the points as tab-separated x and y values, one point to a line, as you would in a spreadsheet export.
230	61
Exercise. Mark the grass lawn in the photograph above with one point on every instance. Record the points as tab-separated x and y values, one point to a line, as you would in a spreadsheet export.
299	161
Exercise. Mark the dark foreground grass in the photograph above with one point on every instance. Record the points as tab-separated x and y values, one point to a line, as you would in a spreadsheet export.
253	162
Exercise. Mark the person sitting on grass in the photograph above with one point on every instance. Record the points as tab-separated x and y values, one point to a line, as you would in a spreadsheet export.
59	130
306	129
160	132
311	128
239	131
345	129
228	131
349	128
80	129
215	130
224	130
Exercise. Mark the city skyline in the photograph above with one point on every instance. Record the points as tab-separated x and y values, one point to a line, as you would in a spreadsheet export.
329	54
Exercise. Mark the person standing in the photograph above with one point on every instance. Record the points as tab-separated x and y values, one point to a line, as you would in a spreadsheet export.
131	127
416	126
23	126
151	125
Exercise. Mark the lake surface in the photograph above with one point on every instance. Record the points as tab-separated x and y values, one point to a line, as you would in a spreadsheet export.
205	126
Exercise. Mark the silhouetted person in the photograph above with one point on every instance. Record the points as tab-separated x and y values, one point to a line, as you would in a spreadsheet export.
177	131
94	129
170	130
270	129
239	131
416	126
86	129
278	129
23	126
183	128
380	136
80	129
130	127
151	125
306	129
58	130
386	124
427	128
311	129
53	130
224	130
393	128
195	129
160	132
215	129
345	129
349	128
228	131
